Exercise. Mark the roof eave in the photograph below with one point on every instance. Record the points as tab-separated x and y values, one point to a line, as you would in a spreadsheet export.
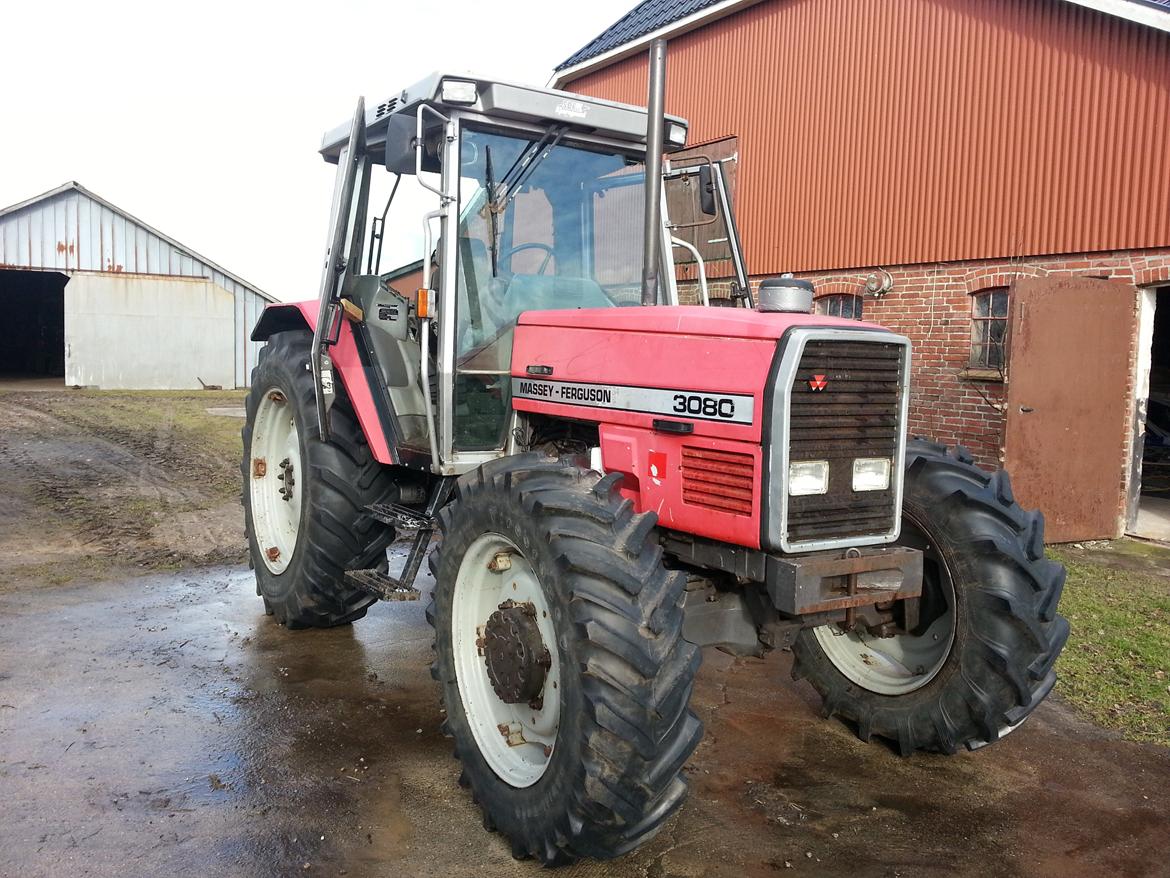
1131	10
676	28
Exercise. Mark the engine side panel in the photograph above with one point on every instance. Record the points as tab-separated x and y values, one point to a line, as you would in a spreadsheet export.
697	485
707	481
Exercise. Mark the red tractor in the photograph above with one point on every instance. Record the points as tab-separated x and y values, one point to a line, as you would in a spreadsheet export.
618	480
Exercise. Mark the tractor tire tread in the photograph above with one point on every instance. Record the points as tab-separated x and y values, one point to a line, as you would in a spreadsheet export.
1001	670
625	613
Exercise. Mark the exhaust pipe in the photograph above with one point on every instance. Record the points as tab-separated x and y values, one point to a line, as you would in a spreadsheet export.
652	232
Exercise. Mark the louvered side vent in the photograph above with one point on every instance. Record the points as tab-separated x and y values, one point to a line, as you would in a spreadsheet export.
386	107
854	413
719	480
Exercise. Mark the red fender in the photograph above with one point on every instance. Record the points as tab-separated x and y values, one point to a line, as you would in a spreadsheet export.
347	365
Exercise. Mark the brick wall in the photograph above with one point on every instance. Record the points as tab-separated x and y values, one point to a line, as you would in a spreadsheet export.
931	304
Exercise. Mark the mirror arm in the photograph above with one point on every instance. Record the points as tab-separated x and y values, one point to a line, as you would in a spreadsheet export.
419	146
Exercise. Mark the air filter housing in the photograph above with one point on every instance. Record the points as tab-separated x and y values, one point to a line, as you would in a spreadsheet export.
785	293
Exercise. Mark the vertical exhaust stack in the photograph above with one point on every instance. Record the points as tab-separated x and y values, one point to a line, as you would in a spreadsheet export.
652	232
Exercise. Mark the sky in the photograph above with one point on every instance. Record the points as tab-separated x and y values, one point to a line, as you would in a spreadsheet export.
203	120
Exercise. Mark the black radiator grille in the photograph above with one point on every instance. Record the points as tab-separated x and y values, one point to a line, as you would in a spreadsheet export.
855	413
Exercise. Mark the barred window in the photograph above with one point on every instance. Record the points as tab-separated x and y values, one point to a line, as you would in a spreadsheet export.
842	305
989	320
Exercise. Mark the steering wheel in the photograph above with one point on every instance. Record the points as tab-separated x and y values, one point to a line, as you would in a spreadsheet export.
531	245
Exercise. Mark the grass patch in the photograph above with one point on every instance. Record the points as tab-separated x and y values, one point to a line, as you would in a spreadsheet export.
170	427
107	483
1116	666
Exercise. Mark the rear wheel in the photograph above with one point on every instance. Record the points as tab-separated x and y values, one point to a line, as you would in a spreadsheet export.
981	658
559	650
304	499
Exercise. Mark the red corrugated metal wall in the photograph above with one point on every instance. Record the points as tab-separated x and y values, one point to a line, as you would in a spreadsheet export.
910	131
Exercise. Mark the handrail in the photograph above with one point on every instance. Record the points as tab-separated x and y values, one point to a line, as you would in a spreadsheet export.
694	251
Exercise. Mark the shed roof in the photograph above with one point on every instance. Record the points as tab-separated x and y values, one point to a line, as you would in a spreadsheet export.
664	18
72	229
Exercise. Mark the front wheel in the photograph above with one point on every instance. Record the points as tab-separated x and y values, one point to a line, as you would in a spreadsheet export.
304	499
559	650
981	658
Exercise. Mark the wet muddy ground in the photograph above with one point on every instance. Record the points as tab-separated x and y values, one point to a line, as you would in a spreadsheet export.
165	726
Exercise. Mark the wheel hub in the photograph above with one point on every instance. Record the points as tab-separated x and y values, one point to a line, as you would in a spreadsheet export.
517	659
287	476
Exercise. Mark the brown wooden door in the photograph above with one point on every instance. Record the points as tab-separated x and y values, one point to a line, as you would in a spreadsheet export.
1068	408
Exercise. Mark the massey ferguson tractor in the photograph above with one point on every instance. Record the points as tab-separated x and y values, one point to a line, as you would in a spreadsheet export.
614	480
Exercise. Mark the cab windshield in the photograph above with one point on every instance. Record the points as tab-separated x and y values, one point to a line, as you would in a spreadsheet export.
543	225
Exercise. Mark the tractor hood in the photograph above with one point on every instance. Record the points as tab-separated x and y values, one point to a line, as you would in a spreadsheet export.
691	320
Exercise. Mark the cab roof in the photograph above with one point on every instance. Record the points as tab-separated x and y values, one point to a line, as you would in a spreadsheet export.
506	100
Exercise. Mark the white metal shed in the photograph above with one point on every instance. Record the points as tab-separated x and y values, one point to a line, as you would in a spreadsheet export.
88	288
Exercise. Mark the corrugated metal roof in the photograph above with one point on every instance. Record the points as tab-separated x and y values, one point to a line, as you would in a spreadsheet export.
25	244
654	15
70	229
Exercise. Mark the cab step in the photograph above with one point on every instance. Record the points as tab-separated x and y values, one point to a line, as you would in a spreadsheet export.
381	586
423	524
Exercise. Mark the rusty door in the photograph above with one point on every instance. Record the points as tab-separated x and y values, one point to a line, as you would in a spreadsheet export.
1067	402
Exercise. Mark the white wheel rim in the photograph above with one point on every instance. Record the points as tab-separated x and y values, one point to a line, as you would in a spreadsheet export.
479	592
889	665
900	664
276	480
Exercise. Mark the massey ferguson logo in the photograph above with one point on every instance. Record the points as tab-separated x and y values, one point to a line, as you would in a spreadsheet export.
818	383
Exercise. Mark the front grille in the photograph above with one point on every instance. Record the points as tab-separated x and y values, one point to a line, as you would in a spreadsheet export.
719	480
856	414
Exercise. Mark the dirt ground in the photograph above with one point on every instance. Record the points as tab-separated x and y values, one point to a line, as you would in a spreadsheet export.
100	484
154	721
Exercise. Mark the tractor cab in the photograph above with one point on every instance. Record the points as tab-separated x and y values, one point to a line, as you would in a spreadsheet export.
539	201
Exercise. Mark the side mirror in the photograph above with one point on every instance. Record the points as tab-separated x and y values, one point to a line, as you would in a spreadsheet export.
401	135
400	144
707	191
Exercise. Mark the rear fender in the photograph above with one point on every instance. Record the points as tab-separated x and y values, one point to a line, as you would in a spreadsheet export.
355	377
283	317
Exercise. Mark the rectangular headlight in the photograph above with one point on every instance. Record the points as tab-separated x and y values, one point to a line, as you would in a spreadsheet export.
458	91
808	477
871	474
676	134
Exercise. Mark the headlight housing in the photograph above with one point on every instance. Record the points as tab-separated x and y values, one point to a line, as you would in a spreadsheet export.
807	477
871	474
458	91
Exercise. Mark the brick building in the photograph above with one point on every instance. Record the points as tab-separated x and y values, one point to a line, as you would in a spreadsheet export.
990	177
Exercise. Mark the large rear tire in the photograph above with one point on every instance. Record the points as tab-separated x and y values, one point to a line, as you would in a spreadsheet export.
982	658
591	766
304	499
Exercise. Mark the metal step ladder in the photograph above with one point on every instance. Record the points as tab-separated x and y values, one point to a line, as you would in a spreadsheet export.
404	520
